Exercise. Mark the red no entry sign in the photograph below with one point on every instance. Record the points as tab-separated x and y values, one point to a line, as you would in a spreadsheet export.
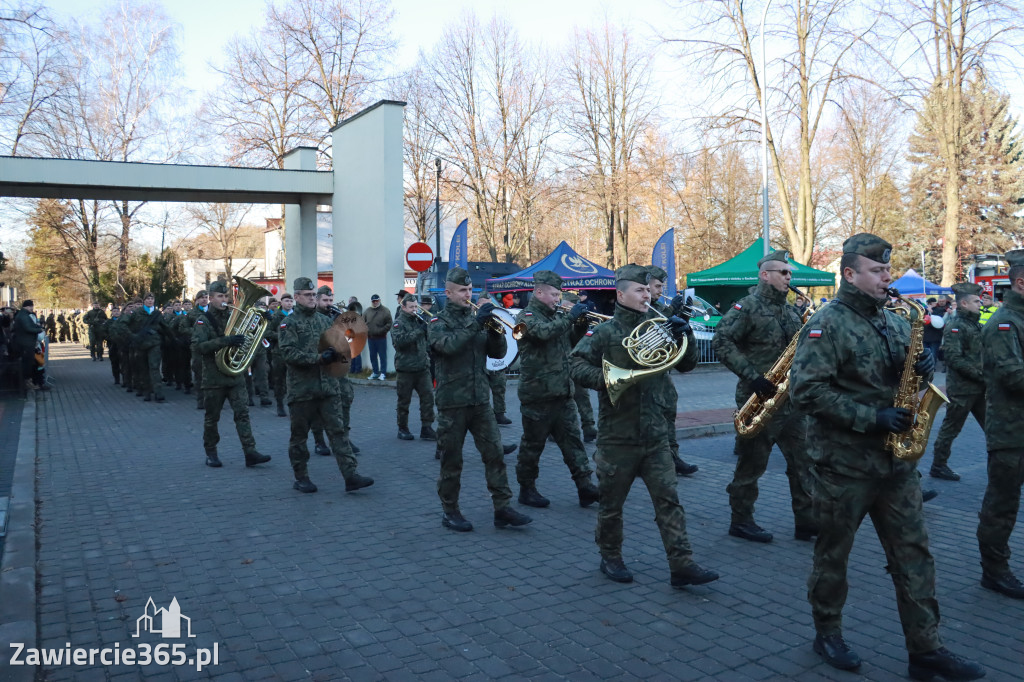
419	256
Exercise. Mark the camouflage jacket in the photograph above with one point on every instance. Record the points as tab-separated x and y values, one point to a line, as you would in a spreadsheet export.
961	347
639	416
106	330
544	354
409	337
94	316
297	338
1003	343
752	335
208	338
147	329
275	324
848	365
119	332
461	346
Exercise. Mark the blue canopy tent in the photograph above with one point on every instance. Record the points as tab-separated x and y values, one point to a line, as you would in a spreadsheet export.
576	272
913	284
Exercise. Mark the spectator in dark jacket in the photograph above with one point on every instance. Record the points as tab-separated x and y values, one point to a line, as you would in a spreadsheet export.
26	330
378	324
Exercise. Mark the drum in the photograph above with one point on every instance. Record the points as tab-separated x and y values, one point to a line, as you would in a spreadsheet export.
512	353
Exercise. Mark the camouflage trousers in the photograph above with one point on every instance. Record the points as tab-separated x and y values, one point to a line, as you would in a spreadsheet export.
327	412
497	381
213	401
127	366
894	505
256	382
999	508
115	361
582	397
452	426
95	343
957	410
344	402
789	432
278	375
406	383
617	468
197	377
148	369
558	419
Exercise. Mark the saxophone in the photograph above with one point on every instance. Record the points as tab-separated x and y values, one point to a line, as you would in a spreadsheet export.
910	445
755	414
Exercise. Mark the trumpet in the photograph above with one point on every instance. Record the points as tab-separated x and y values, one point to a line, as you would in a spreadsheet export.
689	310
493	322
592	318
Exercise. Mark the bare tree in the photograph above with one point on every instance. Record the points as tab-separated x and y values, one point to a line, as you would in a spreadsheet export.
223	224
421	150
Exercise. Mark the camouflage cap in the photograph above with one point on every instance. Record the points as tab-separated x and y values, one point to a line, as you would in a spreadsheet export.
657	273
869	246
302	284
219	287
202	293
548	277
324	291
408	298
633	273
1015	257
964	289
780	255
459	276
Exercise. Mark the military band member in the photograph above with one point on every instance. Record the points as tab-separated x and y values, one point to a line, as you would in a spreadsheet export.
208	337
94	320
965	379
202	304
496	379
658	279
256	383
324	301
748	340
461	343
1003	343
633	434
312	393
847	368
545	391
412	369
277	365
113	350
182	330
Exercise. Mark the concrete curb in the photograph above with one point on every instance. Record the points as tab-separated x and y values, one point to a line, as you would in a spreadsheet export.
704	430
18	569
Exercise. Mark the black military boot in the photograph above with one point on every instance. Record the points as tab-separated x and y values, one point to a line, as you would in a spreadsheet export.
692	574
836	652
356	482
507	516
616	570
403	433
427	433
281	412
749	530
588	493
148	398
589	434
502	419
529	496
684	469
944	472
266	402
509	448
322	450
805	533
160	399
456	521
212	460
943	664
252	403
188	390
929	495
254	458
304	485
1004	583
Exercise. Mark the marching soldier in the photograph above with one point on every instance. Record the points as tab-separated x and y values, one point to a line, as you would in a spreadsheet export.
122	336
147	327
312	393
94	320
113	350
748	340
1003	341
461	343
658	279
256	382
847	369
201	306
633	434
208	337
545	392
965	380
181	330
412	369
277	364
496	379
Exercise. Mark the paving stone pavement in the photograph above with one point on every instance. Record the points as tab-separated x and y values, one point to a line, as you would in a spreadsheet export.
368	586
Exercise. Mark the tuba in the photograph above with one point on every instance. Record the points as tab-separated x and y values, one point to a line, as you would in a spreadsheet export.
910	445
347	335
650	345
248	321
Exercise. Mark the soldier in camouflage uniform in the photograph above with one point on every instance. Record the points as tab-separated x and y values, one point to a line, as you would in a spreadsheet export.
148	329
256	383
181	328
312	392
461	343
94	320
848	364
324	300
113	349
633	434
202	304
496	379
545	391
965	381
1003	350
122	336
748	340
278	368
658	279
412	369
208	337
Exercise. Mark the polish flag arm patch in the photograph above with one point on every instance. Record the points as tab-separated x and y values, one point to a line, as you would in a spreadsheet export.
433	319
737	306
199	321
814	334
1005	326
590	332
283	325
954	330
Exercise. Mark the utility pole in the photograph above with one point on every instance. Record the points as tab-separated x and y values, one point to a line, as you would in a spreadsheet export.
437	220
764	137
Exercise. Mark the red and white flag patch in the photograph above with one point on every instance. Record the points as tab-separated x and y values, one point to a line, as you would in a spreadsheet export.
590	332
954	330
433	319
814	334
1004	326
199	321
737	306
283	325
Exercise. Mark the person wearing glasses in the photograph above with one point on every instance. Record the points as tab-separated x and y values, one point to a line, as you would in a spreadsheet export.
749	339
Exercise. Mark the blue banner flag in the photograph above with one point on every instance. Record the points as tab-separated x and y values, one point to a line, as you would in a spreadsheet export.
664	257
458	251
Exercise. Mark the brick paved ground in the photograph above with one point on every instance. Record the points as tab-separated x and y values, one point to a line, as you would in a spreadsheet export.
369	586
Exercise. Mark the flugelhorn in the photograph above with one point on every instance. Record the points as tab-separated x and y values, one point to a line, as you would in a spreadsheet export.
245	320
592	317
493	322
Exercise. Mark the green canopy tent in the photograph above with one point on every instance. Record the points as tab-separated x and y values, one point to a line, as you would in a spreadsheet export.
729	281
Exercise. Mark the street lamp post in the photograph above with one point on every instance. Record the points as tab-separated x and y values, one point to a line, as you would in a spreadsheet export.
764	137
437	218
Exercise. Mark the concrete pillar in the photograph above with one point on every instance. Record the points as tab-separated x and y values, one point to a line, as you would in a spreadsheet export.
367	213
300	224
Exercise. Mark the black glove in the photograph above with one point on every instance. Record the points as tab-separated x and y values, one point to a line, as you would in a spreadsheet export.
893	419
484	312
577	311
763	388
925	364
678	326
266	314
678	306
234	340
328	356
